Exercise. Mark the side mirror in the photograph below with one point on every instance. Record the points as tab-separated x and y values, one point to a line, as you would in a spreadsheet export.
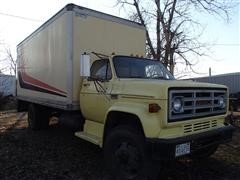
85	65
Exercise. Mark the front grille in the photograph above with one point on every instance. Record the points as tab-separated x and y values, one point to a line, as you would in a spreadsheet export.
197	103
188	128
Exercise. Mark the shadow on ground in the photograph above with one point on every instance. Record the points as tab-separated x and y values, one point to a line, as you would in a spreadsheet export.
57	154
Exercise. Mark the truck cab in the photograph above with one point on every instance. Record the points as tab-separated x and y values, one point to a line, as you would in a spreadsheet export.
126	100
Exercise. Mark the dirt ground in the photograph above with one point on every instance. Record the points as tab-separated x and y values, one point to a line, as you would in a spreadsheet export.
56	153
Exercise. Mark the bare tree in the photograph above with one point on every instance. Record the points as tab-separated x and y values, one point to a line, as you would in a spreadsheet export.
7	61
11	62
7	66
172	32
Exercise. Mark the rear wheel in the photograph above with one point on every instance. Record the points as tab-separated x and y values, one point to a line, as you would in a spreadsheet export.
38	117
44	116
125	154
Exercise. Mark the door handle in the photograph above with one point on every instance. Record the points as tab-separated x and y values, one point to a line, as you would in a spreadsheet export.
86	84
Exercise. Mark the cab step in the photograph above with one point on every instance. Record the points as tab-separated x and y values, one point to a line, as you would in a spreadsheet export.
88	137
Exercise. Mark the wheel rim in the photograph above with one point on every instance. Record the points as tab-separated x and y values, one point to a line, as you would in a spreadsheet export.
128	160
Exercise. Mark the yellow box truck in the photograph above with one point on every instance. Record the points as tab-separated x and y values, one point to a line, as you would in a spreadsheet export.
87	67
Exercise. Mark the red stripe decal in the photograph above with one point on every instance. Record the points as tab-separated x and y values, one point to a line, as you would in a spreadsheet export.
30	80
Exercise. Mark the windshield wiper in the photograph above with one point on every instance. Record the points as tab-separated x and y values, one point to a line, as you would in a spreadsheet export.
159	77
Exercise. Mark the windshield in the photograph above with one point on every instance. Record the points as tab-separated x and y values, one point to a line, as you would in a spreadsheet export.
134	67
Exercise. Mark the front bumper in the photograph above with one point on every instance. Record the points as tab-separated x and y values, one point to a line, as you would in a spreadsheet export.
164	149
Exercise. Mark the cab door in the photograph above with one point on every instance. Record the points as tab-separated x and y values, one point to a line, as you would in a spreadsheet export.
95	93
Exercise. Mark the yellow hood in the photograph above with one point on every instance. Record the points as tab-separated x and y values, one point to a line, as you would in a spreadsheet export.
158	89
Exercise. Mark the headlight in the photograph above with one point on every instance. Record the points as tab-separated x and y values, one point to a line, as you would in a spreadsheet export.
177	105
221	102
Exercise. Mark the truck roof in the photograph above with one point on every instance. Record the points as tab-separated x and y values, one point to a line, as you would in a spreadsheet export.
83	11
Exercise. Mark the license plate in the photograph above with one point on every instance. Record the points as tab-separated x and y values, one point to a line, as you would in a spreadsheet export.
182	149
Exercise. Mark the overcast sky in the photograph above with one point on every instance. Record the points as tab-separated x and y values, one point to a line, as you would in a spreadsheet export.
225	55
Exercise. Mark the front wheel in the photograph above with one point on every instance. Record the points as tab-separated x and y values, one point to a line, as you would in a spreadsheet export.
125	154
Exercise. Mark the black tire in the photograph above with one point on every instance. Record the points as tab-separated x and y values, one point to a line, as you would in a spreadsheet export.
38	117
33	117
204	153
44	117
125	154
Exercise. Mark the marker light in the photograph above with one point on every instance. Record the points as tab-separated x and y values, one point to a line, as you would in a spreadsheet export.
152	108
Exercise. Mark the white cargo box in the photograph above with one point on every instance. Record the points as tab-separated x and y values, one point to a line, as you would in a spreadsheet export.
48	59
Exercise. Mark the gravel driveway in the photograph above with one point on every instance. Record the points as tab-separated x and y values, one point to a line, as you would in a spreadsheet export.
57	154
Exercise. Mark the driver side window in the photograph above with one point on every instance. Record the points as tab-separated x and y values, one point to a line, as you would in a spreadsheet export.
101	69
